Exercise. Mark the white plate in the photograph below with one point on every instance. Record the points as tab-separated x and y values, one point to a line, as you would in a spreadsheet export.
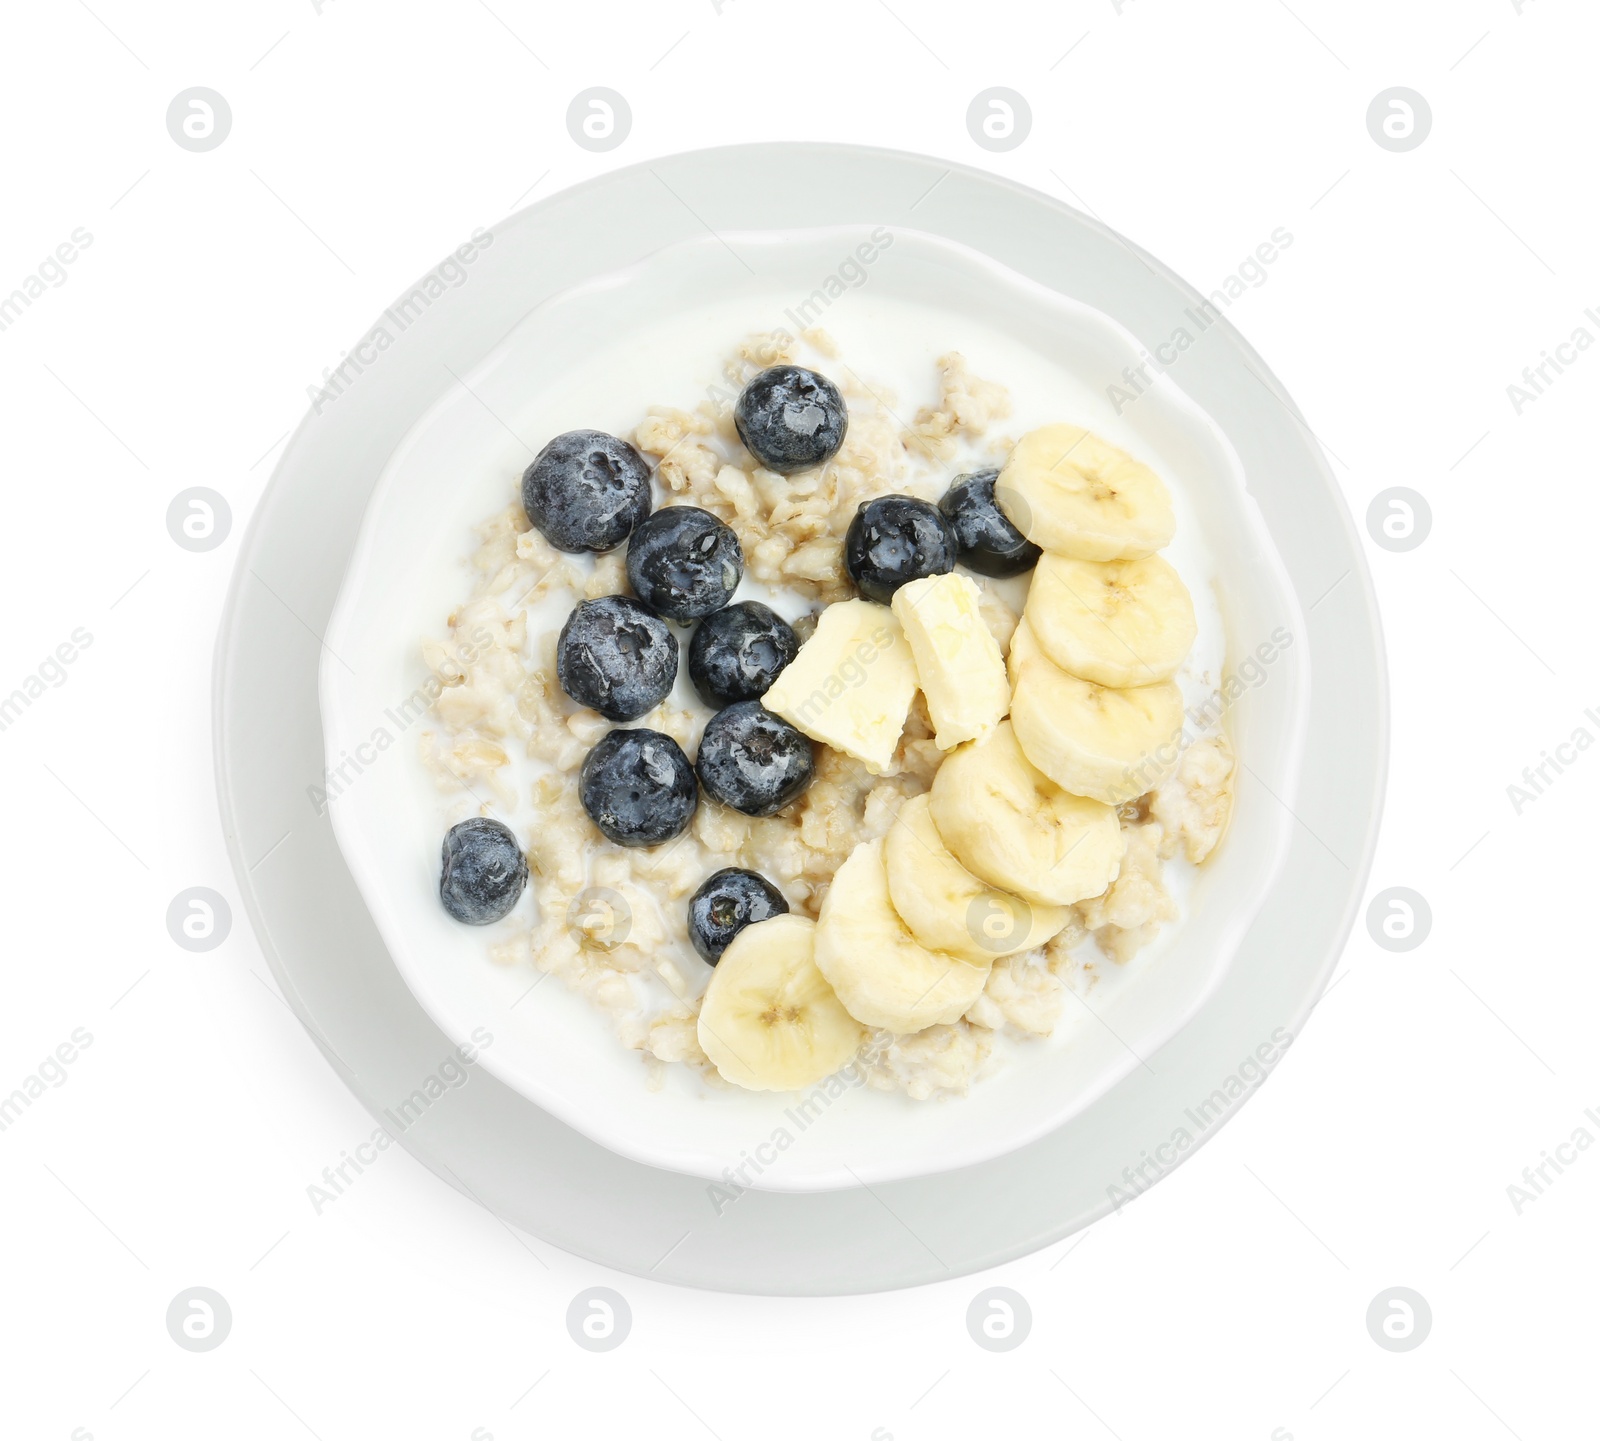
515	1158
657	332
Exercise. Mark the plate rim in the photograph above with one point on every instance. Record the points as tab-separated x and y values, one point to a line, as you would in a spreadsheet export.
1373	652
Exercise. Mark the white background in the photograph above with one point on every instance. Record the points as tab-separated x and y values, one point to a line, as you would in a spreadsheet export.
368	140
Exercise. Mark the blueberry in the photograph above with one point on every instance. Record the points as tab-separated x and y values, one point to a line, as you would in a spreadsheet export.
791	418
989	543
895	539
752	760
638	787
617	657
586	490
482	871
725	904
684	563
737	653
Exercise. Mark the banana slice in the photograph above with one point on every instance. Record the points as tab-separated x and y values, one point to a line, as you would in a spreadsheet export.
959	666
1109	745
874	964
852	684
1012	826
1116	622
946	907
1024	647
1075	494
769	1021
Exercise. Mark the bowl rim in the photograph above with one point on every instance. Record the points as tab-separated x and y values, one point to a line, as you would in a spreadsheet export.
572	1104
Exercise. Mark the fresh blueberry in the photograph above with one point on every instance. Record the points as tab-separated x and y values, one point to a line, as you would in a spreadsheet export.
895	539
482	871
728	902
752	760
638	787
616	656
586	490
989	543
737	653
791	418
684	563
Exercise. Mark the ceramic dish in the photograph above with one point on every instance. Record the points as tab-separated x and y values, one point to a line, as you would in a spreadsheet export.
541	1175
598	355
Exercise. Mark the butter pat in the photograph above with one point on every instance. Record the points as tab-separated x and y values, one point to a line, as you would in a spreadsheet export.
958	660
852	684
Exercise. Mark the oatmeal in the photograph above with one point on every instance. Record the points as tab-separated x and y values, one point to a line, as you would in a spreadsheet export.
612	896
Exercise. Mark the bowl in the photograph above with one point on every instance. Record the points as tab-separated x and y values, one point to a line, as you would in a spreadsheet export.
655	324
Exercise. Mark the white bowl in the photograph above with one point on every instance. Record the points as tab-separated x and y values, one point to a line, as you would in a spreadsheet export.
458	465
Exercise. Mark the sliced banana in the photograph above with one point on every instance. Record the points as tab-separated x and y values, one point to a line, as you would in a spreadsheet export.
852	684
946	907
1024	647
1116	622
875	965
769	1021
1077	495
959	666
1012	826
1109	745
